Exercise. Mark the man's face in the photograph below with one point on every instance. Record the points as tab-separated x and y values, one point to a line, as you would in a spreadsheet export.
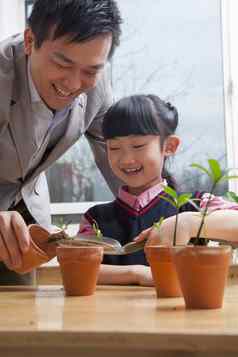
61	70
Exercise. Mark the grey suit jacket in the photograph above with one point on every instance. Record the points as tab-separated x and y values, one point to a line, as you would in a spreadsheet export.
17	144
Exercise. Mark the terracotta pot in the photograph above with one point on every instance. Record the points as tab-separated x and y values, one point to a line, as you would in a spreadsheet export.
163	271
39	251
79	267
202	273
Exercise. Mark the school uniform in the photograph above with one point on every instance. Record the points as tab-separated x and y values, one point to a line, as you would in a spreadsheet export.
127	216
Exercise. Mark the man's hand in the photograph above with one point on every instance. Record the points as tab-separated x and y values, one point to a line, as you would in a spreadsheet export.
14	238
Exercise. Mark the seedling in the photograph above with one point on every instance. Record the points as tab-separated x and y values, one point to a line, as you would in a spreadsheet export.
232	196
97	231
157	225
176	200
61	235
214	172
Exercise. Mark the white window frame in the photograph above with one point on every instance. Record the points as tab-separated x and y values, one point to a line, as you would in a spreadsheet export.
65	208
229	11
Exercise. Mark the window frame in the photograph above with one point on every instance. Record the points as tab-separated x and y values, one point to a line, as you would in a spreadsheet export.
69	208
229	28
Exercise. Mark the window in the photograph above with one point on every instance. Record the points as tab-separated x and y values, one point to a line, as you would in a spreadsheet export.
176	52
230	58
173	49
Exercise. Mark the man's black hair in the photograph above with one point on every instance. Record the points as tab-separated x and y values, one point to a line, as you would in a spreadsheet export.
80	20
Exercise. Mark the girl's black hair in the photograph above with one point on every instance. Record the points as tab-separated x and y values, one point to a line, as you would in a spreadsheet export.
80	20
141	115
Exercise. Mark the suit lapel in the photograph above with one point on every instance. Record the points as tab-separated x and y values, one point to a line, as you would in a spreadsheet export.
74	130
21	124
6	95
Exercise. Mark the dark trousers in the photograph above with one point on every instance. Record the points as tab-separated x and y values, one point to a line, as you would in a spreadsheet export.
9	277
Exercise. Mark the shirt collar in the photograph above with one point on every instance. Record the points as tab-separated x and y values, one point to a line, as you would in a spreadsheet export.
139	202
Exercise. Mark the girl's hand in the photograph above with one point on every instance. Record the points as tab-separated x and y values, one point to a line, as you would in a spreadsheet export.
155	236
164	235
144	235
142	275
125	275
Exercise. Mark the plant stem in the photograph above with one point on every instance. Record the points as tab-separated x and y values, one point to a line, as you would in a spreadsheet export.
175	228
205	213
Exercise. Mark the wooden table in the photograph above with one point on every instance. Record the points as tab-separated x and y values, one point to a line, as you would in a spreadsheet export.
116	321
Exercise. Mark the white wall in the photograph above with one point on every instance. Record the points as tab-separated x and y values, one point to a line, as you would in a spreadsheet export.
12	17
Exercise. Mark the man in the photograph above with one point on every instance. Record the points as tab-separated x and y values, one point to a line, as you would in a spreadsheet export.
54	88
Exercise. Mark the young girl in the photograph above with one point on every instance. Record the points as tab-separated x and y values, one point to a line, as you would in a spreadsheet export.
140	135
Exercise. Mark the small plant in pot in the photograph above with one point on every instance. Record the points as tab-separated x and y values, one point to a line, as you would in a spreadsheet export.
160	256
203	270
79	265
45	245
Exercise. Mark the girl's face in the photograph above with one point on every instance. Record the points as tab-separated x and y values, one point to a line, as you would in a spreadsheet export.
137	160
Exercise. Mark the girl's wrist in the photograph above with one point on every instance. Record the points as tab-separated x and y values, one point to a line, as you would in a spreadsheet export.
189	222
194	221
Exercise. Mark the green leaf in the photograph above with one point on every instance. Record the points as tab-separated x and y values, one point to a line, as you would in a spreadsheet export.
97	231
170	191
186	195
158	224
98	234
215	170
173	203
226	171
232	196
192	202
201	168
183	199
227	178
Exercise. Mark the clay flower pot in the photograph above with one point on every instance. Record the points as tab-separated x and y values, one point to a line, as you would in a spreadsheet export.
79	267
40	251
202	273
163	271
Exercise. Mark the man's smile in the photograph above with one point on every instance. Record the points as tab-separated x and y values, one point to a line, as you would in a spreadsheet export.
62	93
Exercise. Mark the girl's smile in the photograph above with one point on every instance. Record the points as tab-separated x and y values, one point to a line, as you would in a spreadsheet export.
137	160
132	171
